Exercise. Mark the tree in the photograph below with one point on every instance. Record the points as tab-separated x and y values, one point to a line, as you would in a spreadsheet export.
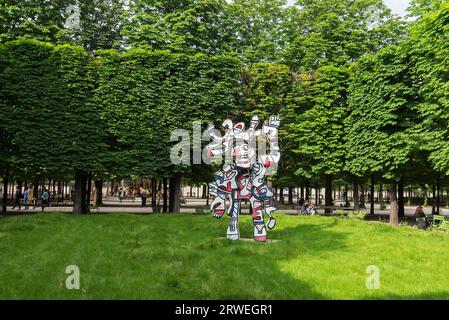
418	8
179	26
381	129
144	96
38	19
267	90
54	127
97	25
259	27
318	131
325	32
428	49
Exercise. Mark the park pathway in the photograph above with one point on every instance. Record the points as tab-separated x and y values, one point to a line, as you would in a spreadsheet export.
112	205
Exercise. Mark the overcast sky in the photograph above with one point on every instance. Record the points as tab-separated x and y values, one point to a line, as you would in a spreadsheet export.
398	6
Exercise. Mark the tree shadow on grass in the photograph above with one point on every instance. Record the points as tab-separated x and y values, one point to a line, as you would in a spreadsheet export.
250	271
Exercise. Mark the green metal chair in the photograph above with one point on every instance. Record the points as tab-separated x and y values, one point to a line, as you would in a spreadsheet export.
439	223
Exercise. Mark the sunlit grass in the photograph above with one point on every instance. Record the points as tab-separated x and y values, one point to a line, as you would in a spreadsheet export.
126	256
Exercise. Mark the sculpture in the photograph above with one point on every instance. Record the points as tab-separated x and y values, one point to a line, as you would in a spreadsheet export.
244	177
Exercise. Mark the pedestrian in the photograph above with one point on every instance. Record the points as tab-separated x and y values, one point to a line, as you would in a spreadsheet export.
121	194
26	198
45	199
17	197
302	205
31	199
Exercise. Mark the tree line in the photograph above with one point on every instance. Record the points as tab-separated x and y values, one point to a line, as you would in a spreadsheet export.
362	93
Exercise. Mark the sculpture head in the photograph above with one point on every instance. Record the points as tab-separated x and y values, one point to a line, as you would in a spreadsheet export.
240	143
244	155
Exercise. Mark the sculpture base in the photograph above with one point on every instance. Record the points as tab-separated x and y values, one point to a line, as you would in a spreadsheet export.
251	240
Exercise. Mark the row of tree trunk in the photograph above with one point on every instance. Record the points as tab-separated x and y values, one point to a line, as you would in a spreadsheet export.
170	189
54	187
396	195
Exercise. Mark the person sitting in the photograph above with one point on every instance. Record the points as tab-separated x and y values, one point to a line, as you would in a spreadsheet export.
307	208
421	219
310	208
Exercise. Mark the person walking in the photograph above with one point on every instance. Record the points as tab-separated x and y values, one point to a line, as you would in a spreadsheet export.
45	199
31	199
302	205
26	198
121	194
17	197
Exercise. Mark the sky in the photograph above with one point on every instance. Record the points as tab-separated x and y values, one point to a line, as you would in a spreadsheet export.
397	6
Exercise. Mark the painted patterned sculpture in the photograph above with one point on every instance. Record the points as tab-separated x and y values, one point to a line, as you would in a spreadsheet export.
245	176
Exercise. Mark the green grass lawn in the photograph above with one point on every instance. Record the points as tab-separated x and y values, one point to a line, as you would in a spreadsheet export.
124	256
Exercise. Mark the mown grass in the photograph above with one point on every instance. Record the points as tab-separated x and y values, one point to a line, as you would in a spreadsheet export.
124	256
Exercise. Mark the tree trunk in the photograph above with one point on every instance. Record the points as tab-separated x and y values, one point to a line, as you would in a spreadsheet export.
204	195
401	202
394	218
153	192
290	195
355	195
98	192
308	195
89	189
175	194
438	194
433	199
59	189
35	189
159	192
281	195
346	196
381	196
165	204
79	203
371	210
11	189
447	198
328	194
5	194
409	200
